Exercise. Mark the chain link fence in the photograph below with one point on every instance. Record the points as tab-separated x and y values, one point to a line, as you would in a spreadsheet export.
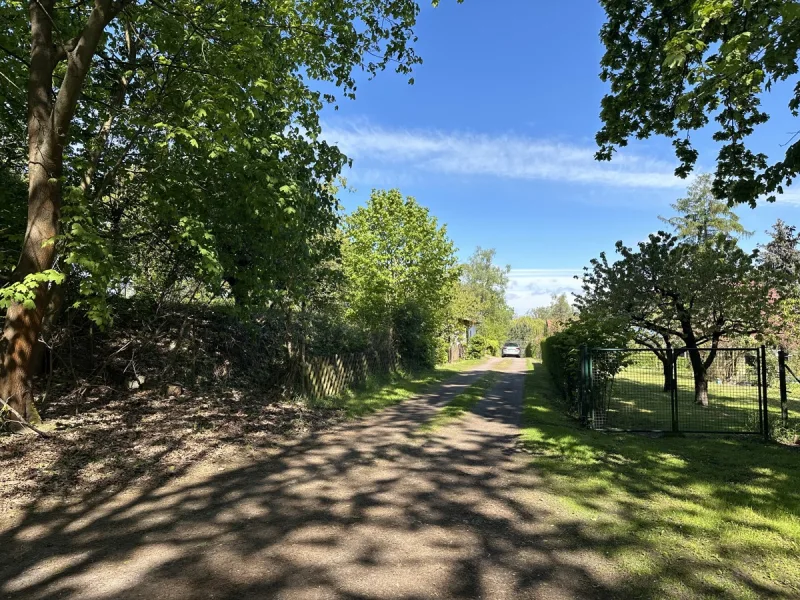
686	390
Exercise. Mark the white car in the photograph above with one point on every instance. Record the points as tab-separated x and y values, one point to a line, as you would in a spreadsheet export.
511	349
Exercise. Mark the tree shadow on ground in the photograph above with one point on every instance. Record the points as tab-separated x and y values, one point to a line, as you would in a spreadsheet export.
147	435
367	510
686	517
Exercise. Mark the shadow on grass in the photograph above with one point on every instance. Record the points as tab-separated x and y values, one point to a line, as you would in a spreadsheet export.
693	516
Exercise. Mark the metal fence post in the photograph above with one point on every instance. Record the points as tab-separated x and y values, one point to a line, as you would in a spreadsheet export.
590	389
766	404
673	386
582	384
782	382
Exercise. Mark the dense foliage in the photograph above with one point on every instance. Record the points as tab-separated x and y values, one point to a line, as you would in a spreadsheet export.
174	153
561	356
481	295
674	67
399	268
528	332
697	293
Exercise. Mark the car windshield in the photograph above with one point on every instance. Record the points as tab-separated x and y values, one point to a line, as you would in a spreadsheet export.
511	345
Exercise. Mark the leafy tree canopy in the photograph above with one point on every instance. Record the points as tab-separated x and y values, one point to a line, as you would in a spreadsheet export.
698	294
674	66
399	267
557	313
483	293
194	150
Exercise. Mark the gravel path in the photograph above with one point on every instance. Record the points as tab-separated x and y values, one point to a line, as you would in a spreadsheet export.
371	509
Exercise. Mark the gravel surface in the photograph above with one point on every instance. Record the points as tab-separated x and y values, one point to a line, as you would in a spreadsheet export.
368	509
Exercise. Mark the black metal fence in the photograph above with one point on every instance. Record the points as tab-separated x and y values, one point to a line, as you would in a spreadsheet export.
789	385
683	390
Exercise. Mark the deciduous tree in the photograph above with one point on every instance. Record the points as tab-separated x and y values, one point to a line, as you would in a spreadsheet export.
177	135
399	267
697	294
485	283
674	67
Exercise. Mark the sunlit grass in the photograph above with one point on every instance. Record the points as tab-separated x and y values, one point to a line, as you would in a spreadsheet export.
683	517
638	402
379	393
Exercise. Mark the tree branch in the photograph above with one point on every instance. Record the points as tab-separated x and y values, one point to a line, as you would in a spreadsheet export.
22	420
79	61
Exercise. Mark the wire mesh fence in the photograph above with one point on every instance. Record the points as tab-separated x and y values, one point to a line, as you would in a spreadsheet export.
689	390
787	423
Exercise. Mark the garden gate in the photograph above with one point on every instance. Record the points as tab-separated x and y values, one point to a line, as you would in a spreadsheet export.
647	389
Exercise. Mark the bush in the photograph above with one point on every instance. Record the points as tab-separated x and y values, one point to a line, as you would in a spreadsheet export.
492	347
477	346
442	351
415	341
561	356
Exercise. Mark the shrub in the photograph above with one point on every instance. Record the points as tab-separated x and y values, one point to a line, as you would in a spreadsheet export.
414	339
477	346
492	347
561	356
442	351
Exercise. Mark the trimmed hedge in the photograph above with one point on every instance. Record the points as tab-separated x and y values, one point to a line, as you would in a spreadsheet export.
561	356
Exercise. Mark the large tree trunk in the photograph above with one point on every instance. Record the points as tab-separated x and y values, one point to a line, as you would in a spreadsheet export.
23	325
700	370
48	127
701	389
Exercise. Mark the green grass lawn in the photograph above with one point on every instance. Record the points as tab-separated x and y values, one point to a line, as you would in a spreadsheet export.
683	517
380	393
461	404
638	402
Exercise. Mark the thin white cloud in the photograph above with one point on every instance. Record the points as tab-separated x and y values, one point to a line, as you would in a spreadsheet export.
501	156
530	288
791	197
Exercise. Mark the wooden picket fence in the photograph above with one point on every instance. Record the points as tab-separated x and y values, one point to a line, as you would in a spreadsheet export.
329	376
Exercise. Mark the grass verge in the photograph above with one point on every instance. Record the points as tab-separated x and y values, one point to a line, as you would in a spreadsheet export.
683	517
379	393
461	404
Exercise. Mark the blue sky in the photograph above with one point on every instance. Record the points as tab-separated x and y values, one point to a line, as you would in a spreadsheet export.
496	138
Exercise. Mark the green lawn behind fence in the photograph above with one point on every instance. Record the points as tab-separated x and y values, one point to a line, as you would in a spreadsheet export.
683	517
637	401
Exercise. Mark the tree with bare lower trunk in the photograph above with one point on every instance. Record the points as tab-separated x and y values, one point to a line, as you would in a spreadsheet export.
183	135
696	294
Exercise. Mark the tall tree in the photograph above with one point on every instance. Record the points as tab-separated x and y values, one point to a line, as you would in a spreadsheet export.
528	330
675	66
399	267
697	294
134	113
486	283
781	255
782	252
702	217
557	314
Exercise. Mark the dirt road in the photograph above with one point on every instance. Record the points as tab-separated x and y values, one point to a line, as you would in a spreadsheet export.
371	509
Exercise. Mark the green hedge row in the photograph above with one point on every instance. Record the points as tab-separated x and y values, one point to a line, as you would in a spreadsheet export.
561	357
